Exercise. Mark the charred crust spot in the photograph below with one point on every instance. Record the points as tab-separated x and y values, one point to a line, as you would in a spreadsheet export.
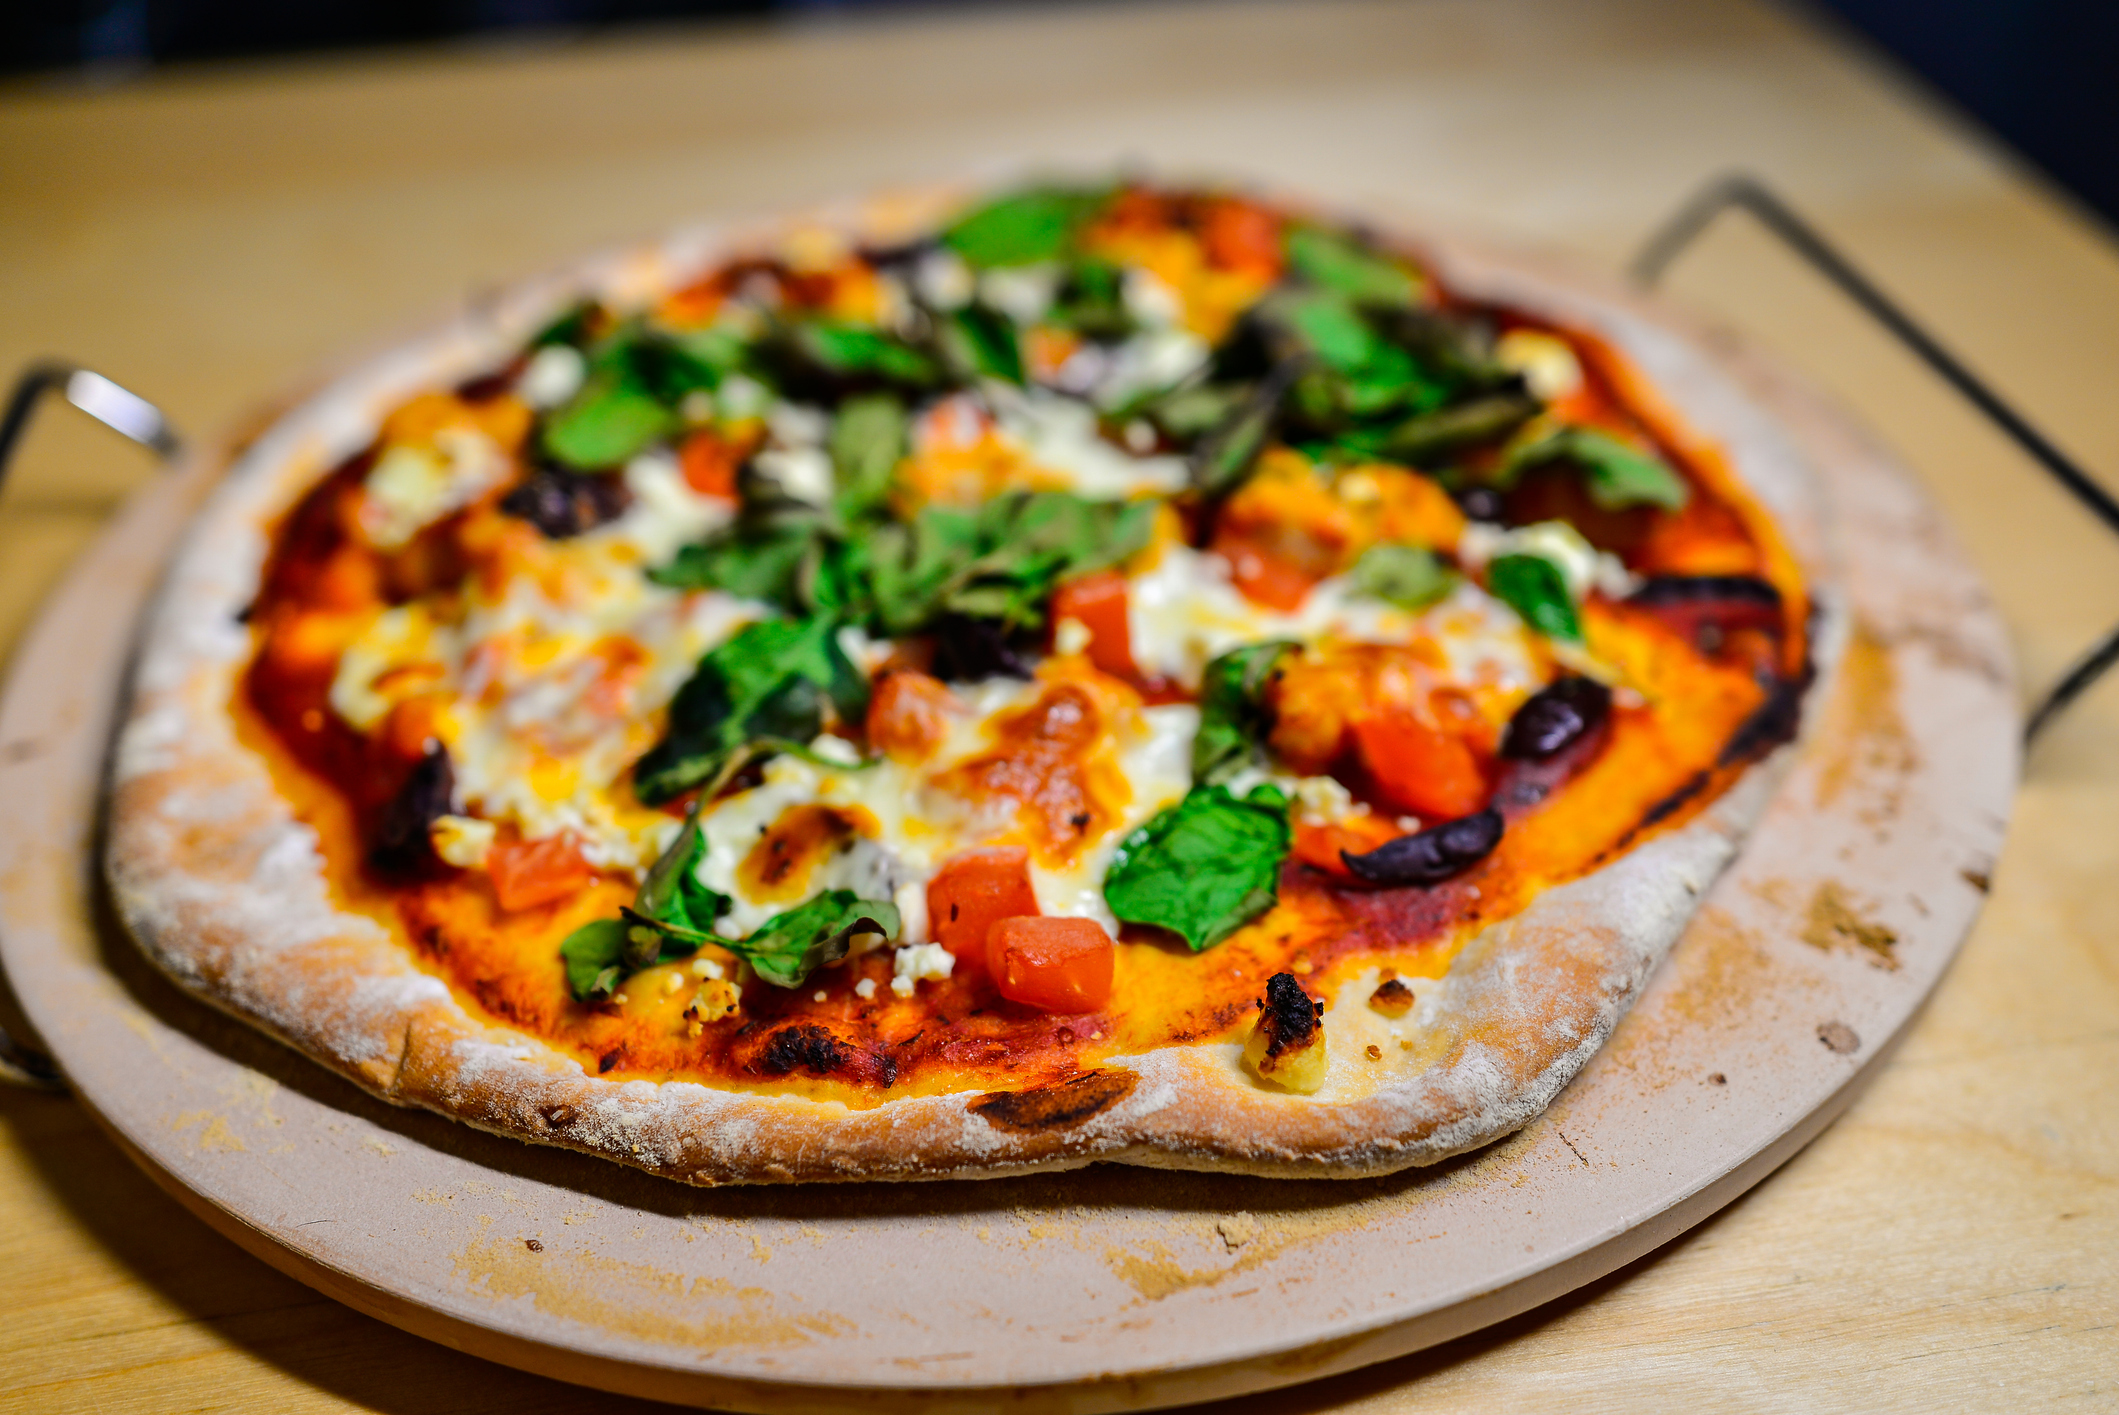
809	1047
1839	1038
608	1060
1775	721
1059	1106
533	1245
1392	999
1978	879
1291	1016
557	1117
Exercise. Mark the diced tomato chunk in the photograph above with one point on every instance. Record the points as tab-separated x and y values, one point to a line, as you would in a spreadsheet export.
909	716
976	890
709	464
1240	236
1265	578
1098	603
1319	845
1418	767
527	873
1056	965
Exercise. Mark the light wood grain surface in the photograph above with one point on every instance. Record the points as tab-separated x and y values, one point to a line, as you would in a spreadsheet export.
208	237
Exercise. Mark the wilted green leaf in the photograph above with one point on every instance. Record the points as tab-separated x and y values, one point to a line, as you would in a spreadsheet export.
1534	587
1408	576
1232	715
1204	867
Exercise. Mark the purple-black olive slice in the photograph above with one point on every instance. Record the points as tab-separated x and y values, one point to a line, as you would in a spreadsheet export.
1555	717
1430	856
401	845
563	503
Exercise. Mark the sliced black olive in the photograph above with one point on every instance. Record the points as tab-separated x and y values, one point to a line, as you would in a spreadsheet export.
1481	503
401	845
1554	718
1694	589
1432	855
564	503
967	649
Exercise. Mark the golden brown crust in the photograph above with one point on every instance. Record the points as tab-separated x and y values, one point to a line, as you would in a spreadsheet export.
226	889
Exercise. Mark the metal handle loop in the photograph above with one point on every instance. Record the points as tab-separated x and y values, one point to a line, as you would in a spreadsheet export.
127	413
1745	192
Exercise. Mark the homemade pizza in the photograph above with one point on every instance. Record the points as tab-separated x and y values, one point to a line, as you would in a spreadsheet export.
964	686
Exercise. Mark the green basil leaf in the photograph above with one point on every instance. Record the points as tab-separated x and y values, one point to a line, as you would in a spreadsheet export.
1615	475
592	956
1222	460
792	945
1204	867
1534	587
770	680
852	350
1022	229
1332	260
1232	716
671	893
978	342
1408	576
756	563
610	420
868	439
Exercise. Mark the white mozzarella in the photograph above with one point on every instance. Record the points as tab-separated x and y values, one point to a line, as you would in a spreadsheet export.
413	485
1059	434
553	375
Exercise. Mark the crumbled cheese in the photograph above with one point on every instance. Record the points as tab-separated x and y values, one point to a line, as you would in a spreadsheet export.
1060	435
865	989
835	749
740	396
1070	636
665	514
797	424
1150	299
707	968
414	485
918	963
1152	360
1549	367
553	375
943	279
911	899
802	473
1022	292
462	841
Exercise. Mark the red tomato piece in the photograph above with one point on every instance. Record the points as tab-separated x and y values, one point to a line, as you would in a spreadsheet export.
1055	965
527	873
1419	768
1319	845
909	716
1098	603
1240	236
709	464
976	890
1263	577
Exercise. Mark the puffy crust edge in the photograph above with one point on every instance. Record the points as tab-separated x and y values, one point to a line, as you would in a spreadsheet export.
225	890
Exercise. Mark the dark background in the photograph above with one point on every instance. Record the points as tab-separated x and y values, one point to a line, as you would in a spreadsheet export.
2041	74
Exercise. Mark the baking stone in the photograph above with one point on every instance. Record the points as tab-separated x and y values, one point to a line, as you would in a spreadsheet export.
1106	1288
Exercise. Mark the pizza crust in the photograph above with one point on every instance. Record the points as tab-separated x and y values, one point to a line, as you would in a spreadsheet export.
226	889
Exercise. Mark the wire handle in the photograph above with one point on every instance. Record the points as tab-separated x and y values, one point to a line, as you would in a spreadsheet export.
125	412
1742	191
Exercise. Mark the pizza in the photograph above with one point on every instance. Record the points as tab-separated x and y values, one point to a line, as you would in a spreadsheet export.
966	684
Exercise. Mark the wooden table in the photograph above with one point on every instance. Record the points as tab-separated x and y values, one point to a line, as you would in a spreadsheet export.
205	237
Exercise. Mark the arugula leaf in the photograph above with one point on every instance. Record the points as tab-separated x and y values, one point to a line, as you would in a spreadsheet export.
755	562
978	342
669	919
1408	576
1022	229
792	945
1204	867
592	955
1091	300
767	684
1232	715
868	437
606	423
1615	475
1222	460
1332	260
1000	562
1534	587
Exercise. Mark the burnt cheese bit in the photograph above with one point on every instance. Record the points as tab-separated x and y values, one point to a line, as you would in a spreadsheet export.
1392	998
402	848
1287	1046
